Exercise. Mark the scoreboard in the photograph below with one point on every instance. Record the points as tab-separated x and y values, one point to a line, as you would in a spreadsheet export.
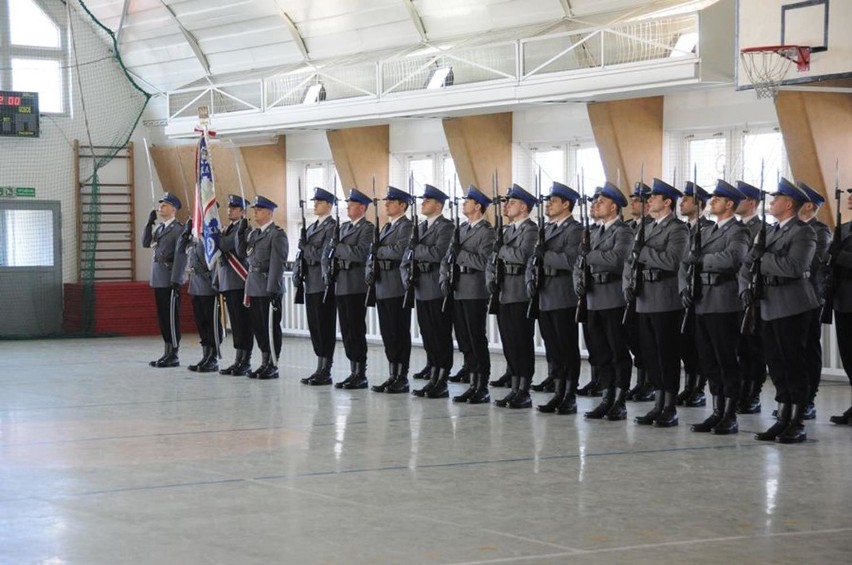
18	114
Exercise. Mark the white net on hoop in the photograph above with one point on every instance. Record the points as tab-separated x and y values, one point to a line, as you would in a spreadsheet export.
767	69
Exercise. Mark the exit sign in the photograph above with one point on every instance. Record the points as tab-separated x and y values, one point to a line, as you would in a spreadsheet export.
17	192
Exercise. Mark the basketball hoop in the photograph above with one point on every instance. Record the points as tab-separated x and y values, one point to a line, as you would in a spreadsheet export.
767	66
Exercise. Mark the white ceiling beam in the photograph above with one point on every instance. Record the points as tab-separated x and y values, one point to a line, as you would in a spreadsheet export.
294	32
190	39
416	19
566	7
121	22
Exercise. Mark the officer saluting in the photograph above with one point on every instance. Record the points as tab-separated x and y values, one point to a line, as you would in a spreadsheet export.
231	276
167	274
785	308
266	248
320	308
394	320
717	306
202	289
609	246
470	299
347	257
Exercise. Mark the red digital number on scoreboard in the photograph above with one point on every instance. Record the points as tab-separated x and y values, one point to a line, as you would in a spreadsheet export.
10	101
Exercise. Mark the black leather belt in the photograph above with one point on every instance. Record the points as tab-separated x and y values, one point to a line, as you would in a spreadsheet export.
713	279
388	264
514	269
312	263
259	269
467	270
602	277
550	272
773	280
426	267
656	275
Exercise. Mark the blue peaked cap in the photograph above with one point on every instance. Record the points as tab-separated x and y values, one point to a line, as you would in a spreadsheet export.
324	195
430	191
475	194
748	190
703	195
519	193
665	189
396	194
171	199
726	190
356	195
612	192
562	191
237	201
787	188
263	202
813	195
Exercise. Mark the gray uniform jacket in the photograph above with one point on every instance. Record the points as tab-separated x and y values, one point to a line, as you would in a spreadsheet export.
606	262
227	277
167	267
518	247
351	257
823	241
267	253
786	263
561	249
201	279
318	236
722	253
393	241
432	248
664	249
843	286
753	226
477	244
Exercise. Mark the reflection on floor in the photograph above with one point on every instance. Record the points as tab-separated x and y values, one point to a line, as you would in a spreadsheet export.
106	460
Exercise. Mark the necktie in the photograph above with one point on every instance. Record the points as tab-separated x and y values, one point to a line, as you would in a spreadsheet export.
159	230
386	228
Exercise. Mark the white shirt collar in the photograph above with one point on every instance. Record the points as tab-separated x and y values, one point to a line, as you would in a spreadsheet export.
721	223
169	222
785	222
264	227
606	225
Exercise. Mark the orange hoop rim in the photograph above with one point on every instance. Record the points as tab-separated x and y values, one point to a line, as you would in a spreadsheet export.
802	56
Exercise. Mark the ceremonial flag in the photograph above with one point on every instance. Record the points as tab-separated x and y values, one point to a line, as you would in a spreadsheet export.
206	215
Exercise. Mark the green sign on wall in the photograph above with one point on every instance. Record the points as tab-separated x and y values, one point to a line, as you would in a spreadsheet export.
17	192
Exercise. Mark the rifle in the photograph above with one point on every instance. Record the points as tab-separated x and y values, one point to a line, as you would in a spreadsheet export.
826	315
452	255
372	260
499	266
755	285
413	269
300	256
582	314
331	276
694	270
635	278
538	256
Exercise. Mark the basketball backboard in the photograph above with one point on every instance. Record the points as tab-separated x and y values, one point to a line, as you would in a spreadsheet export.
821	25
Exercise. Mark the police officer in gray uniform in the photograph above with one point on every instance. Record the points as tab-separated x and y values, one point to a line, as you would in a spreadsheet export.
658	306
167	274
750	348
557	301
785	308
643	391
609	246
320	309
717	306
813	352
517	331
266	247
348	256
436	324
469	297
202	289
394	320
842	250
231	277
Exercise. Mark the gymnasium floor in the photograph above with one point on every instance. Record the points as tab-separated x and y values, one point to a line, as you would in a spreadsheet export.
104	460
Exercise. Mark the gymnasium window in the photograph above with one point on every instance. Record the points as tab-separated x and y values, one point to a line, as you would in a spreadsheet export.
32	54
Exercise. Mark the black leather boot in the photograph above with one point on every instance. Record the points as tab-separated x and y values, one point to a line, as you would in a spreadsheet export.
651	417
359	377
668	416
618	411
505	380
462	376
323	376
602	409
439	387
170	359
697	398
750	401
480	395
795	430
166	348
307	380
243	368
568	405
271	371
548	384
347	380
809	411
205	353
781	423
718	410
210	364
468	394
503	402
423	373
393	369
728	424
433	378
844	419
643	392
264	365
591	388
557	398
400	383
522	399
229	370
689	383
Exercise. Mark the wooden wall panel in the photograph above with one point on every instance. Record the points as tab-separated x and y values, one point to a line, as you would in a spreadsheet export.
481	145
817	130
629	133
